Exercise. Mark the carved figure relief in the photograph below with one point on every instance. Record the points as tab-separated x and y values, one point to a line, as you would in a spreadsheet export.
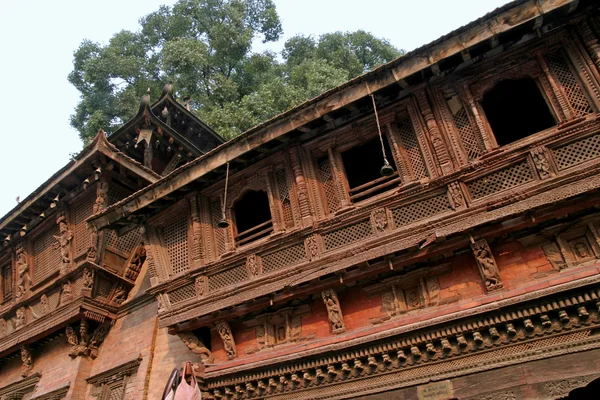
571	247
27	360
312	247
456	195
72	338
227	337
541	162
21	318
334	311
252	265
554	256
3	328
135	264
399	297
120	294
66	294
99	205
487	265
379	219
88	278
63	242
97	339
196	346
282	326
161	303
23	278
200	286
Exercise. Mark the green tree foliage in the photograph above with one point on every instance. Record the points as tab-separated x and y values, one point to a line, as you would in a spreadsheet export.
204	47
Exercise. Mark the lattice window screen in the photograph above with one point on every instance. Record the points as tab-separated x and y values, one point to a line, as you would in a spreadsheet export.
467	134
115	391
82	209
7	283
283	189
411	146
47	258
175	234
182	294
116	193
503	179
227	278
420	210
565	76
326	176
577	152
215	209
347	235
125	243
103	288
283	258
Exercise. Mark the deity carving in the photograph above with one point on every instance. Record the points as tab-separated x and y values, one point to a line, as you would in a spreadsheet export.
379	220
97	339
99	205
160	302
581	250
541	162
334	311
3	328
196	346
252	265
199	285
135	264
21	318
227	337
66	295
312	247
27	360
456	195
23	278
120	294
554	256
487	265
63	242
88	278
72	338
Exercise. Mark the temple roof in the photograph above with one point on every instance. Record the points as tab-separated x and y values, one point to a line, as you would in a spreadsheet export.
72	175
416	68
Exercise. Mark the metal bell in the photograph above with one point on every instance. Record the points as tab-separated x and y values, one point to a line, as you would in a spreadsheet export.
387	169
222	223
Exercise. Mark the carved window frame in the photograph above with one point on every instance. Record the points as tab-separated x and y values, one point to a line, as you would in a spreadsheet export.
102	384
7	269
349	136
81	197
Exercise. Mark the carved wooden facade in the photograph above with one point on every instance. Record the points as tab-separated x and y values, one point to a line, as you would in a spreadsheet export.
376	262
286	267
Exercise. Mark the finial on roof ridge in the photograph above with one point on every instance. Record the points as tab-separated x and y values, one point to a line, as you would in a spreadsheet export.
168	88
145	99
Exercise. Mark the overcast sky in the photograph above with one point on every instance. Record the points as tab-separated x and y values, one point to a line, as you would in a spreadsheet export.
39	37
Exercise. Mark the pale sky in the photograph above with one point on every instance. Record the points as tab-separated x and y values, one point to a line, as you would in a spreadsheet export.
40	36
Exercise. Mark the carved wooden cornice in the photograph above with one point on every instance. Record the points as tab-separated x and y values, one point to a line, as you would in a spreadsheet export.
116	373
500	335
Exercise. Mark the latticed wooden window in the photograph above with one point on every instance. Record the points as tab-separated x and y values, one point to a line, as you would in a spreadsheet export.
410	144
46	254
283	190
326	177
82	209
7	282
566	77
125	243
468	136
175	234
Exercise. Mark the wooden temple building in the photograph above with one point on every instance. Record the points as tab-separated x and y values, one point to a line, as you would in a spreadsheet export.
428	230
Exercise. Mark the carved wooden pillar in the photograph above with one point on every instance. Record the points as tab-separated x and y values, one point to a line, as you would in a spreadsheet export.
433	168
404	167
340	188
97	238
488	142
565	112
487	264
64	240
448	124
591	42
439	146
156	259
312	183
303	203
206	229
197	245
276	216
148	154
334	311
22	282
228	342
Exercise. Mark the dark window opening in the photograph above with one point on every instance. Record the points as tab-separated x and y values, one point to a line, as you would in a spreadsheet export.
363	169
203	335
252	217
583	393
515	109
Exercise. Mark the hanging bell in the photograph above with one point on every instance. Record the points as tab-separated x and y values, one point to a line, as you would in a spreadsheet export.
387	169
222	223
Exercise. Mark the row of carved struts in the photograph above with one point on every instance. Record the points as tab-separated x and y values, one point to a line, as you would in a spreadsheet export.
488	333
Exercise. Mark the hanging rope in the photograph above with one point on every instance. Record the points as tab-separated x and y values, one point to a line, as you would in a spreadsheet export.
379	129
225	193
